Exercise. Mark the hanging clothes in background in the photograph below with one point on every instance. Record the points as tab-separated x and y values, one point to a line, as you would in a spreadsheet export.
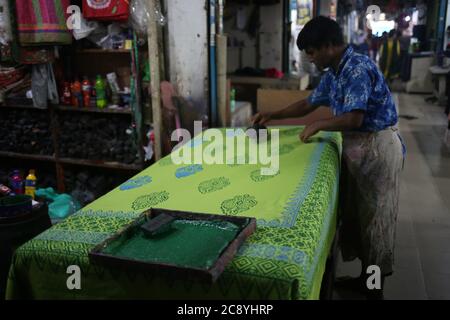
43	86
5	31
33	55
5	23
26	54
42	22
110	10
390	57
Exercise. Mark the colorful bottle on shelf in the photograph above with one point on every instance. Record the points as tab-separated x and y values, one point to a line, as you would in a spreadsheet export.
86	90
100	90
129	41
67	94
30	184
16	182
77	98
93	100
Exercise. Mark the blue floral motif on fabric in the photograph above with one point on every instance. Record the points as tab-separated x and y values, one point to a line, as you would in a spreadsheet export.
135	183
188	171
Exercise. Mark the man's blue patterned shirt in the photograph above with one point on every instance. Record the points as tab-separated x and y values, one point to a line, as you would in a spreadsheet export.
357	85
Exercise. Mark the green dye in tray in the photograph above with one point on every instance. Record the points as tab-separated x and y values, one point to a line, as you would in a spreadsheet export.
189	243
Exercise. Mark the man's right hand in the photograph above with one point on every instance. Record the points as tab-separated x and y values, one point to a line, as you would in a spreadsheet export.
262	118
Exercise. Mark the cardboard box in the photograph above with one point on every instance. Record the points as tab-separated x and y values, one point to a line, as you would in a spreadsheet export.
273	100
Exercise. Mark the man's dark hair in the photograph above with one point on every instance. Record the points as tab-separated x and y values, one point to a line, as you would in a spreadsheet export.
319	32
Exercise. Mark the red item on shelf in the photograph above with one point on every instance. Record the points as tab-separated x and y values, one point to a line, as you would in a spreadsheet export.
274	73
110	10
16	182
67	94
86	89
77	100
93	100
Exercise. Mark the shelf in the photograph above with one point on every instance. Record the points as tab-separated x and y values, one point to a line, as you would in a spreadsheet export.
19	106
94	110
36	157
100	164
80	162
71	109
108	51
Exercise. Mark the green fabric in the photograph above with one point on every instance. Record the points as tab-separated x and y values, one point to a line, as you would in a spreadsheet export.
284	259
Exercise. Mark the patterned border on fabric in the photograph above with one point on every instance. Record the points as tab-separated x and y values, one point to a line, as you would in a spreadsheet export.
325	227
95	223
109	214
308	258
49	255
309	271
87	237
292	210
280	253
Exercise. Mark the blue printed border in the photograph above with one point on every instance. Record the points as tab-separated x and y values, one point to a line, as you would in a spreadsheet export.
292	209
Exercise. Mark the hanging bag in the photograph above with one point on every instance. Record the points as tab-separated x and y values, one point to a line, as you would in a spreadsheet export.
106	10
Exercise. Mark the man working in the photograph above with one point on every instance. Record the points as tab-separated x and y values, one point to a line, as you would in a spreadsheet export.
365	112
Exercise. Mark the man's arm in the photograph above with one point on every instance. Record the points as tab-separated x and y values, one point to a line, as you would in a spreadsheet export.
296	110
346	122
319	97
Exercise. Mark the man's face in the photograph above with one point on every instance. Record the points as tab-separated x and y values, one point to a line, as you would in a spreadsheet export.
320	57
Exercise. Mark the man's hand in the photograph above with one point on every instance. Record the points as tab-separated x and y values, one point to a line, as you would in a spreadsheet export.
262	118
309	131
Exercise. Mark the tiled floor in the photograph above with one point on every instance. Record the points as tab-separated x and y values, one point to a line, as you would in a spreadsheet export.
423	229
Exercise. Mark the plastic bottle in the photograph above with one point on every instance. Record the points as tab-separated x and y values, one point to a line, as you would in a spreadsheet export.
73	100
77	97
129	40
100	89
67	94
86	90
30	184
93	100
16	182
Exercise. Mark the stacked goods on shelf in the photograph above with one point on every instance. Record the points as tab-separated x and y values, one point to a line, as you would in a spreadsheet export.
25	131
97	138
87	185
10	76
14	82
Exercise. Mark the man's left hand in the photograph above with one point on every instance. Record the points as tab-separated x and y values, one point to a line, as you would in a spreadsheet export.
309	131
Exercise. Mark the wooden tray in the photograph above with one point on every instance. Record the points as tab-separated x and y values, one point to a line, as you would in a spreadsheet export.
247	227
